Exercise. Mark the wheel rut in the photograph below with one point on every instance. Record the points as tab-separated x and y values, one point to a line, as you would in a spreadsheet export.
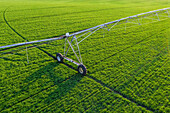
88	75
121	94
24	38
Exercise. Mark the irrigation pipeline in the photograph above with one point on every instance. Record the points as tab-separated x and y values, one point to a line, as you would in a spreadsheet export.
87	30
80	32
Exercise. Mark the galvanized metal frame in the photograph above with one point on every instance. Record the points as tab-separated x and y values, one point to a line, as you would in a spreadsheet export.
91	31
103	26
86	30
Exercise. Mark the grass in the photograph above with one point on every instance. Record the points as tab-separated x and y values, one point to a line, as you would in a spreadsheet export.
128	71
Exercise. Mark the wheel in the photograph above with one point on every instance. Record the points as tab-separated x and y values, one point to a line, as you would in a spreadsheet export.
82	69
59	57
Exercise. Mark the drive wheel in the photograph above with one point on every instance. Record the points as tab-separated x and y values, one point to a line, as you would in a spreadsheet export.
59	57
82	69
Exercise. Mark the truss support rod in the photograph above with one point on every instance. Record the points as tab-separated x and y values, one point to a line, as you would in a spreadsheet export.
114	25
150	18
90	34
139	21
84	34
27	54
125	24
106	27
79	50
157	16
65	47
69	45
73	50
103	32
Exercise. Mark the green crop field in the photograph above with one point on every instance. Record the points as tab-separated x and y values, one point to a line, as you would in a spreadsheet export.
128	70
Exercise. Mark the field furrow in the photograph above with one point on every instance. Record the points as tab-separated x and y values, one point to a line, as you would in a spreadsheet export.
127	66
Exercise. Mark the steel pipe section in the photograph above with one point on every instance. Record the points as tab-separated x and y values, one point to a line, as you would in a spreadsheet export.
118	21
31	42
83	31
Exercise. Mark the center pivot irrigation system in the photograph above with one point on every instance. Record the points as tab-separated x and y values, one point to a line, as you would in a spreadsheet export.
73	40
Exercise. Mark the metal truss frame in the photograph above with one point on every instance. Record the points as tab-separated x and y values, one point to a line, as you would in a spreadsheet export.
93	30
81	35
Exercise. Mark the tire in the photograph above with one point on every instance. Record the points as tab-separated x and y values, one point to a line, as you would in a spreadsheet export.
59	57
82	69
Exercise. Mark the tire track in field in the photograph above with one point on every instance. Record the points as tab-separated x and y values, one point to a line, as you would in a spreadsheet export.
11	26
66	64
54	57
63	63
103	84
43	108
6	107
116	91
121	94
4	16
67	107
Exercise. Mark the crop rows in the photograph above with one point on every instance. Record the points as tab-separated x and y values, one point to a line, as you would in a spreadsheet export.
82	92
127	70
60	23
132	64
